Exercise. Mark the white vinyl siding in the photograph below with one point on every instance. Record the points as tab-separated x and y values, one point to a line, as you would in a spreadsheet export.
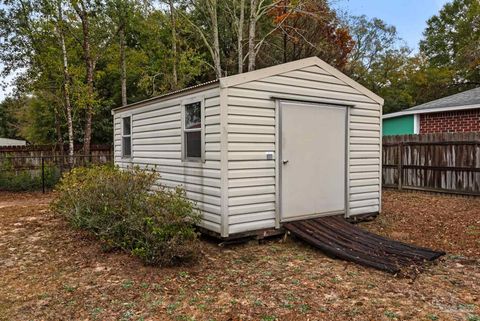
251	134
157	144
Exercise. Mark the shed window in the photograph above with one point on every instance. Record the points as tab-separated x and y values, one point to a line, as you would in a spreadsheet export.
192	147
127	137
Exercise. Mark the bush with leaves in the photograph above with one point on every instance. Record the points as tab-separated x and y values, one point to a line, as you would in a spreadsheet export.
12	179
122	209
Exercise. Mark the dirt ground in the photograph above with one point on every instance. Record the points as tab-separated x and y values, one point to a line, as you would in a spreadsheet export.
49	271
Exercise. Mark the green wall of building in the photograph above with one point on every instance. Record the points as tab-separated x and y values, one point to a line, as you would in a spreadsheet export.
402	125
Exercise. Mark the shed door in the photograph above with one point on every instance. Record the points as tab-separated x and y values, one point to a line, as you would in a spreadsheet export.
312	160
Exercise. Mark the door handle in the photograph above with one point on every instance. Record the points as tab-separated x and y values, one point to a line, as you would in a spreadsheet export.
285	161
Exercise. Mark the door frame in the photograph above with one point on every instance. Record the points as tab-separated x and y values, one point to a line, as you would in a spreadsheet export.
278	159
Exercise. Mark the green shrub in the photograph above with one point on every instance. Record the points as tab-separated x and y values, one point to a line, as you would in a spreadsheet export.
120	208
26	180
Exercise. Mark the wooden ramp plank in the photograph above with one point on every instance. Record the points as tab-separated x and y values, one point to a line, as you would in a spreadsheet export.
340	239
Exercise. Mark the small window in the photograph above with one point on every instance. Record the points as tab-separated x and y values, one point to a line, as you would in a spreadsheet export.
127	137
192	131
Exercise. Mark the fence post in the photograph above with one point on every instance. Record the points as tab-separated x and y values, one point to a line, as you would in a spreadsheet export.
43	175
400	165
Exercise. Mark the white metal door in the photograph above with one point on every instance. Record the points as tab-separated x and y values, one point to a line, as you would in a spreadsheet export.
312	160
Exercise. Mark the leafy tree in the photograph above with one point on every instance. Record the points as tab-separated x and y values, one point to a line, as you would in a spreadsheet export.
93	42
37	121
8	120
381	62
236	10
29	44
75	60
312	28
452	41
425	82
373	41
206	25
150	37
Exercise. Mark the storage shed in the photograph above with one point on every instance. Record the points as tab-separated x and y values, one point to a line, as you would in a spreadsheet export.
289	142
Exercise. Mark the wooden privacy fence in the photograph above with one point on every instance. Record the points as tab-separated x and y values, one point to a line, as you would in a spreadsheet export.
445	162
31	167
30	156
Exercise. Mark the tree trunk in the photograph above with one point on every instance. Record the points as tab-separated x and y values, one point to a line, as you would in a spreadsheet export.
240	37
58	130
251	34
285	43
89	66
214	48
216	42
66	85
123	64
174	46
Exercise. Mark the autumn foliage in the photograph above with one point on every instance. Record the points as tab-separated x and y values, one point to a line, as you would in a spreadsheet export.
312	28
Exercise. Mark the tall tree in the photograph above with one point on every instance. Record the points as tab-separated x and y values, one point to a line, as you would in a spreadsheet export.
452	40
66	80
236	10
208	9
84	10
77	59
312	28
123	61
8	119
174	45
252	25
212	11
373	38
29	43
260	14
382	62
123	13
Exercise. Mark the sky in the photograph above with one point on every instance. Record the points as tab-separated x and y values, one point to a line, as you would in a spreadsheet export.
408	16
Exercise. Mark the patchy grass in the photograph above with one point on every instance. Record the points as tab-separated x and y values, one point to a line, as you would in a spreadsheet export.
50	272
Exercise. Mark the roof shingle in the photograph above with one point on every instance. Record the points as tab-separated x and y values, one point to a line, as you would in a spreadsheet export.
469	97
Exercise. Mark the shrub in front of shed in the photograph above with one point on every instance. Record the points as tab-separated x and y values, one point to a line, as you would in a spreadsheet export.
121	209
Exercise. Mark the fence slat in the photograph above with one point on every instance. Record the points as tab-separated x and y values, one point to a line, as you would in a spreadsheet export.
32	167
30	156
445	162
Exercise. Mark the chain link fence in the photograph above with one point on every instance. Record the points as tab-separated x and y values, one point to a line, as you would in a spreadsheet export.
29	173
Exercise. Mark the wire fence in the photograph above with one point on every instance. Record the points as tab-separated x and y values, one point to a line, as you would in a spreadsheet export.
23	173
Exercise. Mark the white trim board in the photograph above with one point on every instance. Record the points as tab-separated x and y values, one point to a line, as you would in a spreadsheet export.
416	124
225	212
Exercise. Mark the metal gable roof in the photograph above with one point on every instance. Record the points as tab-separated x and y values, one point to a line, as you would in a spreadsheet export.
166	95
